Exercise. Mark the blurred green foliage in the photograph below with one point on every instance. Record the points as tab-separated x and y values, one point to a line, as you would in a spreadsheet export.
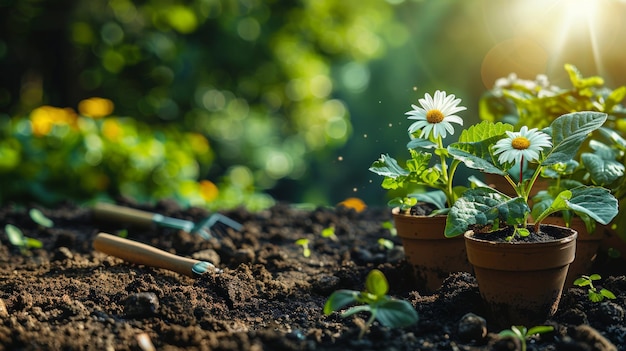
253	77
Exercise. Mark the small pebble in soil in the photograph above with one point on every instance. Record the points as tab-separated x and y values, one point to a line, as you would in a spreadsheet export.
507	343
144	304
472	328
584	337
62	254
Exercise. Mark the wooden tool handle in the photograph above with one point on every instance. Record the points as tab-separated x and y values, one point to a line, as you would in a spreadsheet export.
106	212
139	253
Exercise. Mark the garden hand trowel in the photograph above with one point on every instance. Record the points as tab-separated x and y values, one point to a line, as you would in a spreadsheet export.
205	228
136	252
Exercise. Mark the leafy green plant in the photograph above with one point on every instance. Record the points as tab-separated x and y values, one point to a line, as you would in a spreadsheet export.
17	239
433	121
522	334
306	251
536	103
593	293
495	148
390	312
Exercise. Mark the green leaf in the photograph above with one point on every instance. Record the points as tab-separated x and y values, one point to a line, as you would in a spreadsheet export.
387	166
38	217
474	146
614	98
540	329
596	202
582	281
420	144
483	131
376	283
595	276
339	299
595	297
608	294
33	243
601	170
568	133
436	197
356	309
614	136
484	206
15	235
396	313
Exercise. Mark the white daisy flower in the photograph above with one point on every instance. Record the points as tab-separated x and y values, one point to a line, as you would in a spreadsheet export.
526	144
436	115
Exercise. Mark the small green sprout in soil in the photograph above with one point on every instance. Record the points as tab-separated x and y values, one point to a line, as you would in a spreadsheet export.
306	251
385	243
521	333
593	293
390	227
38	217
17	238
329	233
390	312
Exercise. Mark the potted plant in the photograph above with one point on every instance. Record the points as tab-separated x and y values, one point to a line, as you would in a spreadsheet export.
420	215
536	103
604	164
521	267
590	235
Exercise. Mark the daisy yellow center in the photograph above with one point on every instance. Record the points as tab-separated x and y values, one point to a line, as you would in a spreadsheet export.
434	116
520	143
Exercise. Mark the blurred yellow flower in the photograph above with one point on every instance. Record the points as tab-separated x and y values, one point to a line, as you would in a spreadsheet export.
111	129
208	190
43	118
95	107
354	203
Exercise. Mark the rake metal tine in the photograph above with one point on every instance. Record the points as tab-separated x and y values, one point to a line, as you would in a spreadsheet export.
213	225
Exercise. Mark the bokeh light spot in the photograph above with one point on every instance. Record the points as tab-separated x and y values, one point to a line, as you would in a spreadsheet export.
355	77
249	29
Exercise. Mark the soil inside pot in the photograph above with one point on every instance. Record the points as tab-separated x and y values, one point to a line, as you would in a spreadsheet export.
269	296
546	233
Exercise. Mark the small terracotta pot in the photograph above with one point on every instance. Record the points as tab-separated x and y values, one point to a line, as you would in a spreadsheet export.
587	245
521	283
432	255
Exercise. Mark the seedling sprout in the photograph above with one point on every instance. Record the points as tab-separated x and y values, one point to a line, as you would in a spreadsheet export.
388	311
521	333
38	217
593	293
385	243
329	232
306	251
17	238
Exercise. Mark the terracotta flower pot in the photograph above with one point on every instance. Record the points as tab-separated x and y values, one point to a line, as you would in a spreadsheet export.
432	255
521	283
587	245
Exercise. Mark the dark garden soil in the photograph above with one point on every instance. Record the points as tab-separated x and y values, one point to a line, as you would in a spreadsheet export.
268	296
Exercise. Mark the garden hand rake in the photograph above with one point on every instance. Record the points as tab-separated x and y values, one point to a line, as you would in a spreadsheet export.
136	252
215	223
